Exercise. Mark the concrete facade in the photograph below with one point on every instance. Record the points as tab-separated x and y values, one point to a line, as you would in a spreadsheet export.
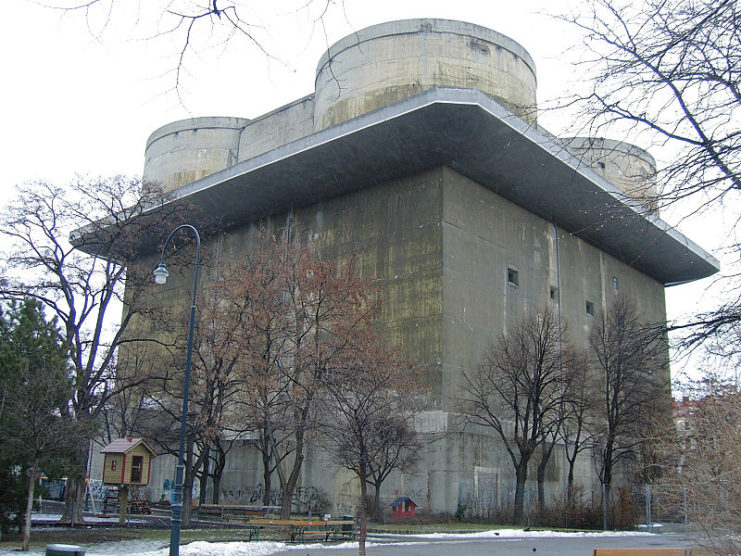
442	192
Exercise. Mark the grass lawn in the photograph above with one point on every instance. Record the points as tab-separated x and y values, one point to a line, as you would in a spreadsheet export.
94	535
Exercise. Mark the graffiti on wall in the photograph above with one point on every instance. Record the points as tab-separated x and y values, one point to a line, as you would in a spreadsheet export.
304	498
98	489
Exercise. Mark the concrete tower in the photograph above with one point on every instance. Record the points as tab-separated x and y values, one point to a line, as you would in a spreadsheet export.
419	151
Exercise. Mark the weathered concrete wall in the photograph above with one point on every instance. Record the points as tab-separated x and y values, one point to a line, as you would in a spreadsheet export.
395	231
629	167
279	127
484	236
440	246
388	62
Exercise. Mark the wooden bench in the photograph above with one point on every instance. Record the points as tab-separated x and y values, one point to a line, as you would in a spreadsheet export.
301	531
208	511
229	512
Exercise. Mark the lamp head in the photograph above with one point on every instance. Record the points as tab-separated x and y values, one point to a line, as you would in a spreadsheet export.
160	273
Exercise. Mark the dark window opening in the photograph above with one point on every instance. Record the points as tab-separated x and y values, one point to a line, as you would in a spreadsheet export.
590	308
513	277
554	294
137	466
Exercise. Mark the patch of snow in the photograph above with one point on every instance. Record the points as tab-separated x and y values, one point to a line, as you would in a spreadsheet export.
203	548
36	517
126	547
519	533
267	548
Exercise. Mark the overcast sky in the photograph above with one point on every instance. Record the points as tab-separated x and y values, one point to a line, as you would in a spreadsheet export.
81	94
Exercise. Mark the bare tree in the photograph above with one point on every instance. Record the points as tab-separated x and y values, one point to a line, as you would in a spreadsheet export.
196	27
82	289
326	305
543	456
578	428
628	358
215	383
666	72
397	447
705	478
368	411
277	321
518	390
252	297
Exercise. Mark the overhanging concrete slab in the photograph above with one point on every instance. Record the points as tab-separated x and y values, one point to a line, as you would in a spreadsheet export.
474	135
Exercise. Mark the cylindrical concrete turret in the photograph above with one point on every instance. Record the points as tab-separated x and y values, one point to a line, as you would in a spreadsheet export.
391	61
630	168
184	151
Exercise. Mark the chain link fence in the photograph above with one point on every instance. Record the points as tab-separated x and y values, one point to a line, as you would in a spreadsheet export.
654	507
662	507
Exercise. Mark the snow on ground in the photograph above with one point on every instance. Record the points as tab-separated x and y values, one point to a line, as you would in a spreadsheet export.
266	548
519	533
203	548
198	548
53	518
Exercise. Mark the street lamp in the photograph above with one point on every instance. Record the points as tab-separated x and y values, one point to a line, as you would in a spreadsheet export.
160	277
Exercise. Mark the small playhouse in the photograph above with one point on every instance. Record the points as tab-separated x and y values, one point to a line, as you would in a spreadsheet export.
402	507
126	463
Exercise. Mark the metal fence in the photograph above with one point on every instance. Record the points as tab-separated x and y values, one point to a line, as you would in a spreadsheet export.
652	507
662	506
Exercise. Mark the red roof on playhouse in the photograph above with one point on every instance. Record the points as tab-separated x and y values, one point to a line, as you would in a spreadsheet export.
125	445
127	462
402	507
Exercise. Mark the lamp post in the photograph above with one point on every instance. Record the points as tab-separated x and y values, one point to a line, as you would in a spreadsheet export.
160	277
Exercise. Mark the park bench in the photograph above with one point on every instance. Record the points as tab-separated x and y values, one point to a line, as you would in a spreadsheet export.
302	531
230	512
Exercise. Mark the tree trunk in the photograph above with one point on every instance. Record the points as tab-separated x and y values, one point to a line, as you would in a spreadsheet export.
609	510
570	486
377	503
74	493
218	472
546	452
191	469
289	486
203	479
74	501
521	474
286	502
29	505
541	487
266	457
607	482
363	509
